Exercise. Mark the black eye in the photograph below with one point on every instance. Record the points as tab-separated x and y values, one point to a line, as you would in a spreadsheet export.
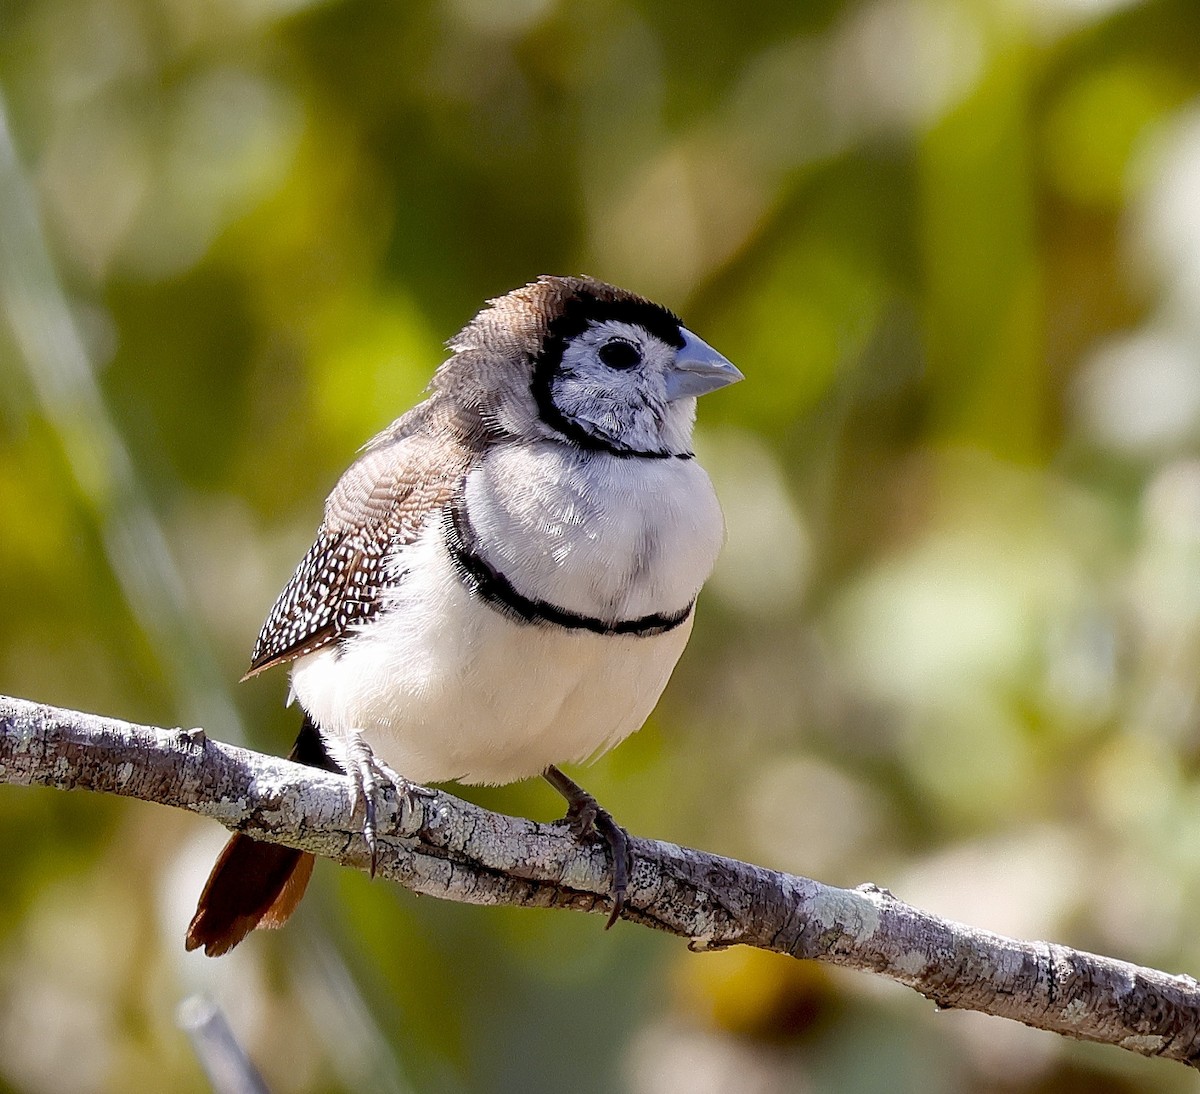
619	354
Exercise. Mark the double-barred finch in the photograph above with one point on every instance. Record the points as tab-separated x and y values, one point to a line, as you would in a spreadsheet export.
504	579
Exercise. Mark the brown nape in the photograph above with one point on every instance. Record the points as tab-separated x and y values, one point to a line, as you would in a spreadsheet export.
256	884
253	884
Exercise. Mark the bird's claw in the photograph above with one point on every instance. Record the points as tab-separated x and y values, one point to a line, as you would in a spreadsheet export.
617	839
586	818
370	779
582	816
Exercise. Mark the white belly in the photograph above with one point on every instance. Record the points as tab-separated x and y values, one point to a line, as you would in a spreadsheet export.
443	686
447	688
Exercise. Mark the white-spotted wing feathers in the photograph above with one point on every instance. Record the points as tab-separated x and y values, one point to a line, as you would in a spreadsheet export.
380	503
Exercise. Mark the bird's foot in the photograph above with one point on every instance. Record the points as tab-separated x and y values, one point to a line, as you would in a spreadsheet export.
370	779
586	818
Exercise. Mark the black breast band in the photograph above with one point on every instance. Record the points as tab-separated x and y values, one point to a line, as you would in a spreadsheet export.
489	583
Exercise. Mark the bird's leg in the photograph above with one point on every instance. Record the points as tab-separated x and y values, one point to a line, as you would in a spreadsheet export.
369	779
585	816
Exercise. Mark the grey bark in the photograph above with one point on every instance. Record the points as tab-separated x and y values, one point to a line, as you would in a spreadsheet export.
448	848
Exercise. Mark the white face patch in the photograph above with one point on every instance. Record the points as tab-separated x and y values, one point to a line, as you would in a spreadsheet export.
611	382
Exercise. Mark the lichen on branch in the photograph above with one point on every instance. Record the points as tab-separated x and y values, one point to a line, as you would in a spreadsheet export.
445	847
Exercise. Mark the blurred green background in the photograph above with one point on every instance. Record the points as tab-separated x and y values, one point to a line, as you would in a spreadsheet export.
954	641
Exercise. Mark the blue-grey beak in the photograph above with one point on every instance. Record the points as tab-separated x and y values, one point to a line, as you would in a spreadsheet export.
698	369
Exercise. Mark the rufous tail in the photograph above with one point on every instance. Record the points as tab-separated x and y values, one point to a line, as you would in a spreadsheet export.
255	884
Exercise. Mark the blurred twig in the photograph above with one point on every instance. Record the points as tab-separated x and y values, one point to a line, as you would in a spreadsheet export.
225	1062
55	364
451	849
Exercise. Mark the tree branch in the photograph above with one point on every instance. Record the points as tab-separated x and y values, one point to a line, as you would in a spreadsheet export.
448	848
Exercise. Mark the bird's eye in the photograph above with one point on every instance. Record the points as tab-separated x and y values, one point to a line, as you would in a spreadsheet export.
619	354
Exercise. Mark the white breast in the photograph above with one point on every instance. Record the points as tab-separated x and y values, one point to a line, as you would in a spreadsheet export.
599	535
445	687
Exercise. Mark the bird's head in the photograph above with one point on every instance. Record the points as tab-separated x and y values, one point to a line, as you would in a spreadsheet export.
578	359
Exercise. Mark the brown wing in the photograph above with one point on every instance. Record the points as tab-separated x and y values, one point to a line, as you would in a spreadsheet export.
380	503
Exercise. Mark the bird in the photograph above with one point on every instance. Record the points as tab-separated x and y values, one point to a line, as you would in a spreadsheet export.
503	580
